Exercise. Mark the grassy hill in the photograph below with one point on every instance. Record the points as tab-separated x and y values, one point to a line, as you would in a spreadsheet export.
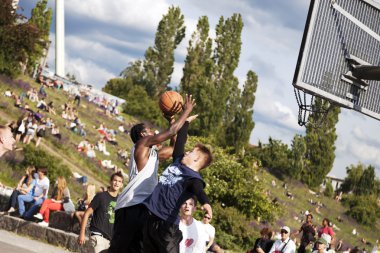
66	149
92	116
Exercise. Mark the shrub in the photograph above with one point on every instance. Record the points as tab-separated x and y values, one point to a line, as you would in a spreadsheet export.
40	158
329	190
364	209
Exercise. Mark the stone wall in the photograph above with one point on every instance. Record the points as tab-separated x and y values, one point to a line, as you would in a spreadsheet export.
50	235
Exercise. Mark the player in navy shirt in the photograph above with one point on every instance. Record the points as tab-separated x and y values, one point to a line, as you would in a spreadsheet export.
180	181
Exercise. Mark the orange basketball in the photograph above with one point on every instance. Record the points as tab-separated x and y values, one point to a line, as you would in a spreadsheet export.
168	102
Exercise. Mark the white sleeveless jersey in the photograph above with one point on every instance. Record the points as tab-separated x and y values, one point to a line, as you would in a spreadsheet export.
141	184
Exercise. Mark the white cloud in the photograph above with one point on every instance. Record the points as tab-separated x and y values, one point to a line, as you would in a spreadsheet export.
88	72
142	15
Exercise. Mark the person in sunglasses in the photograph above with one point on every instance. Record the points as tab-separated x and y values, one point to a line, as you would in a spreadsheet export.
211	245
285	244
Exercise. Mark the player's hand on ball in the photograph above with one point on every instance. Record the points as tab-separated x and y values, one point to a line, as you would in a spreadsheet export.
190	103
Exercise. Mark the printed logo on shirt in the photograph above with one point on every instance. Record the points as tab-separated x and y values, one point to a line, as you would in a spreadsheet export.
189	242
111	211
171	176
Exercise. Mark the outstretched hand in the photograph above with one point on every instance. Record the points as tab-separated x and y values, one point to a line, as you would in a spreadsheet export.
191	118
189	104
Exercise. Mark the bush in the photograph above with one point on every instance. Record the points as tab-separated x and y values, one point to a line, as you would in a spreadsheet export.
329	190
41	159
364	209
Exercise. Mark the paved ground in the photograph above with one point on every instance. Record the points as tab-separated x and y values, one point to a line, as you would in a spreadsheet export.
12	243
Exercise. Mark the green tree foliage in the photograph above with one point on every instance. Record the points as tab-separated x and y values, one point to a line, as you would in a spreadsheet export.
17	39
329	190
159	59
297	160
239	129
366	184
119	87
197	76
232	229
139	104
41	159
320	143
364	209
231	184
41	18
226	56
275	156
360	180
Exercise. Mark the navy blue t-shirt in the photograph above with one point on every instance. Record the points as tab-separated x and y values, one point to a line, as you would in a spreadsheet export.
171	191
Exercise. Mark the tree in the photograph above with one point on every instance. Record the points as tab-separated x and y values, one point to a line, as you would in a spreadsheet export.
139	104
41	18
351	182
197	76
297	160
226	56
320	142
159	60
366	184
329	190
17	39
275	155
239	131
119	87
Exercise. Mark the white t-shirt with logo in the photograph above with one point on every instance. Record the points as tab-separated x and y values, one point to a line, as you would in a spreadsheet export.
193	237
41	185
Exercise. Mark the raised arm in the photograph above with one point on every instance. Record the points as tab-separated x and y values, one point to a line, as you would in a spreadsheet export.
141	153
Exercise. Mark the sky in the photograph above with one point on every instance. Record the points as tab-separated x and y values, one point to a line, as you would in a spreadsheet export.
102	37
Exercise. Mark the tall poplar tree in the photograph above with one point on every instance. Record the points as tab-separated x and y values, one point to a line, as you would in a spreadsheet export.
320	142
226	56
197	75
239	129
159	59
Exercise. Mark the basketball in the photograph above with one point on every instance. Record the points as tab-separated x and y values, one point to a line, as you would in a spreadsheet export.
169	101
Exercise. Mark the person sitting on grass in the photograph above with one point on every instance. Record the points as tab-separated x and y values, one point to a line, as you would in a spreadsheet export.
60	195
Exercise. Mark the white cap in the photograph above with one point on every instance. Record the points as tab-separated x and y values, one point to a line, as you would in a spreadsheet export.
286	229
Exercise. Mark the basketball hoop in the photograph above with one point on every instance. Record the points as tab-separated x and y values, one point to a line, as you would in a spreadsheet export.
306	107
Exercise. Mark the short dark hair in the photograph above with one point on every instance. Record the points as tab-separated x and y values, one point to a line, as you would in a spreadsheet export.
43	171
117	174
311	216
136	131
266	231
207	155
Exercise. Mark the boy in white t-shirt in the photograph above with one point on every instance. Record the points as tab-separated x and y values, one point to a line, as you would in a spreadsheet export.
193	234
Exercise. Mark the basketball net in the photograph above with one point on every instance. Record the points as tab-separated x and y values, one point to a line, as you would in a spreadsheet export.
306	107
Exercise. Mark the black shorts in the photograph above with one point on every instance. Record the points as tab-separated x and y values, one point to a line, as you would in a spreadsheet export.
161	236
128	230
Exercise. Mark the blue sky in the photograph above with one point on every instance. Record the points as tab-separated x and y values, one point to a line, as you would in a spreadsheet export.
102	37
